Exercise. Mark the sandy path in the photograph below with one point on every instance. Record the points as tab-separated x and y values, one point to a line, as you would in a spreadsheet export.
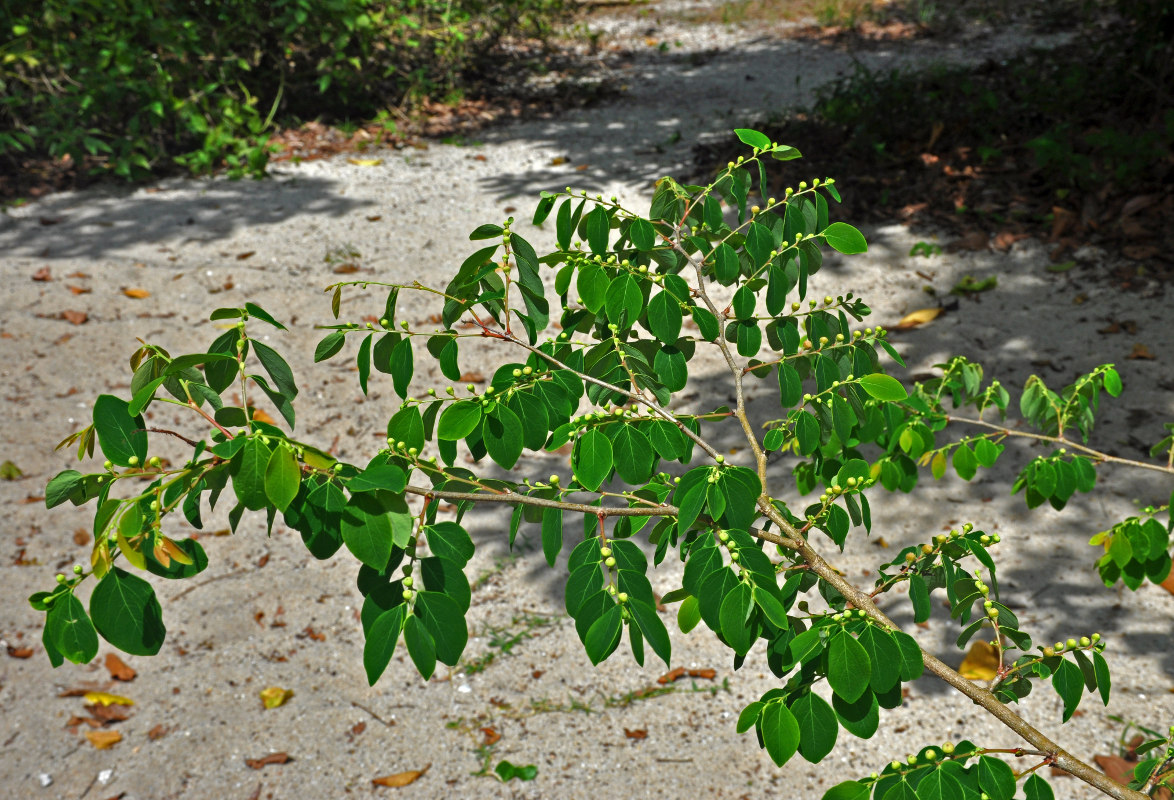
183	241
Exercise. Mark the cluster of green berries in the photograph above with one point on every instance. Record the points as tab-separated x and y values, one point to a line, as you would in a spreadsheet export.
1084	642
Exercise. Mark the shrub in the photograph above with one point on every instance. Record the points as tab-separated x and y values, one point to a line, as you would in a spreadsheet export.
132	87
638	297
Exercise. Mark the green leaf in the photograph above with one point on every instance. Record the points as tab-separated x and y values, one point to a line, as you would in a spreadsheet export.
860	717
919	596
664	318
633	455
1069	684
1112	382
329	346
450	541
847	790
249	481
127	614
604	635
363	361
749	715
623	301
996	778
597	225
421	648
381	641
689	614
446	623
780	732
502	433
283	476
939	785
261	314
591	460
552	534
706	323
911	665
407	426
459	420
736	608
726	266
771	608
885	388
884	657
402	367
120	435
965	464
1101	670
68	628
642	234
845	238
1036	788
278	369
653	629
378	476
753	139
61	486
849	669
367	529
807	432
487	231
818	727
790	386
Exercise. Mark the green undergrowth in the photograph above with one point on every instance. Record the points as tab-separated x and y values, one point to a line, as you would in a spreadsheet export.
142	87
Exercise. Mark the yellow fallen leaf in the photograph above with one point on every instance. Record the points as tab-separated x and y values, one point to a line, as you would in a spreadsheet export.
365	162
981	663
137	294
919	317
401	778
261	416
104	740
108	699
275	696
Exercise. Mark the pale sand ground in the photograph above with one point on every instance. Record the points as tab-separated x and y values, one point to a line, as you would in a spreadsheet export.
180	239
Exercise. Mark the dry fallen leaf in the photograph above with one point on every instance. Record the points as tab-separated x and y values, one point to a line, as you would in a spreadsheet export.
261	416
137	294
42	274
104	714
1168	585
75	317
557	161
492	737
104	740
374	217
19	652
365	162
639	733
81	537
704	674
245	255
345	269
275	696
272	758
158	732
671	675
119	671
981	663
472	377
918	317
1140	353
106	699
401	778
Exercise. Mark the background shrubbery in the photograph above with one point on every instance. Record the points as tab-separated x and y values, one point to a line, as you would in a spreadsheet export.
135	86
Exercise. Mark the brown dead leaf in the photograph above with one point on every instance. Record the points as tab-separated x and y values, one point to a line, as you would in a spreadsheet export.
42	274
81	537
75	317
19	652
158	732
310	633
538	673
1140	353
245	255
374	217
981	662
921	316
492	737
119	671
104	714
401	778
1116	767
79	289
704	674
671	676
880	542
1139	203
582	167
558	161
639	733
275	696
472	377
261	416
1004	240
1168	585
104	740
345	269
272	758
973	240
1062	220
136	294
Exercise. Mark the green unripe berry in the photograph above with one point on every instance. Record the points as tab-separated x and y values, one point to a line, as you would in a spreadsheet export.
609	562
988	604
1058	647
527	370
734	556
154	461
719	458
984	539
911	759
911	557
154	505
409	594
948	748
409	581
1071	643
622	597
896	765
60	578
554	480
107	465
605	551
723	537
77	569
517	373
931	755
927	549
337	467
1085	641
993	613
133	461
1096	637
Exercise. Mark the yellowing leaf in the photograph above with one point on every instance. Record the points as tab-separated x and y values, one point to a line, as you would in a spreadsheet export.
104	740
365	162
401	778
275	696
981	663
918	317
108	699
137	294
